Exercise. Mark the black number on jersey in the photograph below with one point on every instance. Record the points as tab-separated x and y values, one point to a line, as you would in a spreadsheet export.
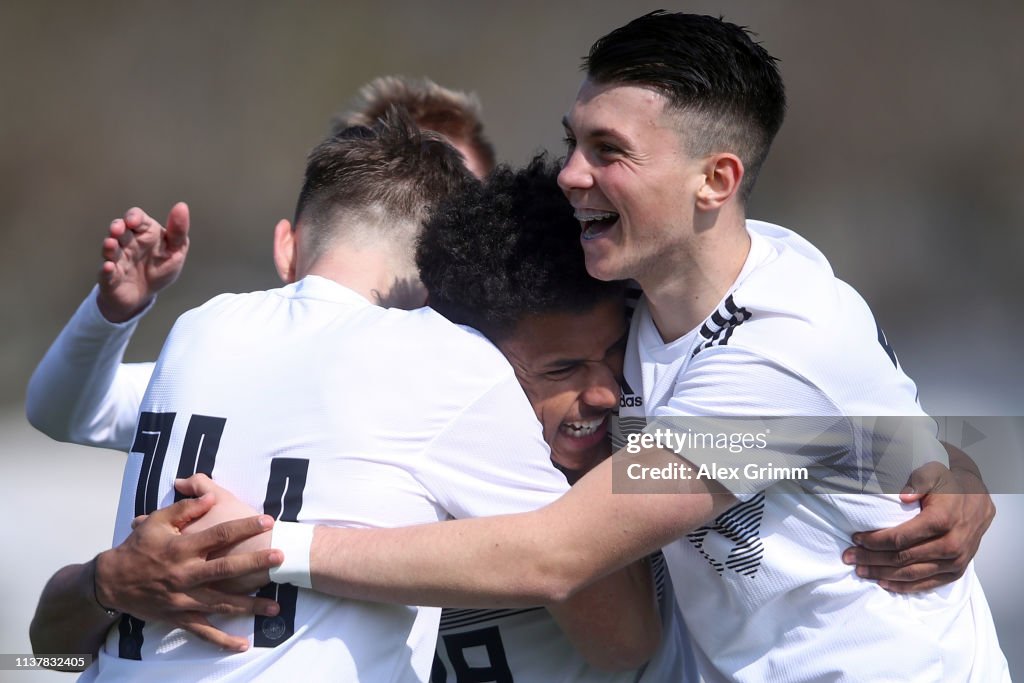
198	454
151	438
283	502
456	644
202	439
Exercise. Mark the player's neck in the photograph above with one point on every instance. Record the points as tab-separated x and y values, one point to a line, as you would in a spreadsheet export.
689	285
372	273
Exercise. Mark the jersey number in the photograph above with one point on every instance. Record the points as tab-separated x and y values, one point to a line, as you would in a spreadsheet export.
456	644
198	453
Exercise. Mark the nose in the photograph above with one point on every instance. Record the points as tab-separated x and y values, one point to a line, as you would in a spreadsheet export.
575	173
602	389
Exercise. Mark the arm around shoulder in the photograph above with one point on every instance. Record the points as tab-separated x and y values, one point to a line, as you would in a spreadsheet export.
532	558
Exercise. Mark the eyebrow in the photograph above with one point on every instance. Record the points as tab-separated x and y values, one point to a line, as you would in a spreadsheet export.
562	362
597	132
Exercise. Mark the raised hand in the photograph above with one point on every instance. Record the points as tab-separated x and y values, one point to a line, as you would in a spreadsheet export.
140	258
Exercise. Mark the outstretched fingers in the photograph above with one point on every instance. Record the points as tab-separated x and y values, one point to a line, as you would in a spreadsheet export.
932	477
136	220
924	527
176	234
227	534
111	248
196	623
184	512
206	600
197	485
237	575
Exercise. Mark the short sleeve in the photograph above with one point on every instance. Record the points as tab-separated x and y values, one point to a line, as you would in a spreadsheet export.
491	459
749	422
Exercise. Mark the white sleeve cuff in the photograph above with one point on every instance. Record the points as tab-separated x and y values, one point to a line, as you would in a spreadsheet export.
295	541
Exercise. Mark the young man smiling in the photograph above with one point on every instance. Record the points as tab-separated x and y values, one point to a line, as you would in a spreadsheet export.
647	231
505	259
740	318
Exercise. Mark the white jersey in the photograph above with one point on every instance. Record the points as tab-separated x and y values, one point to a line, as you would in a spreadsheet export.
314	405
528	646
81	392
763	589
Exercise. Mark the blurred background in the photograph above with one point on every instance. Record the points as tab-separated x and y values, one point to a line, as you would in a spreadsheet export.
901	159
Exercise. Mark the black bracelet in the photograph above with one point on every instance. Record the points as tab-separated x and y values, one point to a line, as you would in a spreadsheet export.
110	612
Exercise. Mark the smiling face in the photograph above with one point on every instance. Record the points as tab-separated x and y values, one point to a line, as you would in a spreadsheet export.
569	365
629	180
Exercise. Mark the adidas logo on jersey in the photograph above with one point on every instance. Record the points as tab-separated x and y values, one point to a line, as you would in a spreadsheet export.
717	329
628	397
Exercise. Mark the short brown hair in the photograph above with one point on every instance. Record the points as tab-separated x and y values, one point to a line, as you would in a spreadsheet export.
452	113
377	180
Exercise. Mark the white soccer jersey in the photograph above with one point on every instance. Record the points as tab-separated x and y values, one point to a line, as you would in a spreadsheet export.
763	589
316	406
528	646
81	392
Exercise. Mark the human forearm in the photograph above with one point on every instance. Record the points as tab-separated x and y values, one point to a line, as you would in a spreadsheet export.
614	622
540	557
68	619
409	565
80	392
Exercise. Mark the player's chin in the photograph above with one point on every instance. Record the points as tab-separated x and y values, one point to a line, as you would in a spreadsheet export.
601	261
580	454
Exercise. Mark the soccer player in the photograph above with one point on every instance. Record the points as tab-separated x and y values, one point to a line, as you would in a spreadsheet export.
98	399
505	259
582	426
368	426
514	271
667	133
81	392
502	261
555	315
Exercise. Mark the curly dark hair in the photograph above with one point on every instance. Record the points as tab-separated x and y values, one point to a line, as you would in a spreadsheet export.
506	249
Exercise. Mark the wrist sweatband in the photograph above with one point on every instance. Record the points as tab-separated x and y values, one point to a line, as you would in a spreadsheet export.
295	541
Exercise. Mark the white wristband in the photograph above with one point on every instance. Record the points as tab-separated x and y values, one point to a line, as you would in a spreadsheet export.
295	541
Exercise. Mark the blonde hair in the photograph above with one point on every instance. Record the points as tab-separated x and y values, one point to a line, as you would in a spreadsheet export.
452	113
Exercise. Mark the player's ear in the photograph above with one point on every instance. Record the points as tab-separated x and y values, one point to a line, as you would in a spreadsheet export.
284	251
723	174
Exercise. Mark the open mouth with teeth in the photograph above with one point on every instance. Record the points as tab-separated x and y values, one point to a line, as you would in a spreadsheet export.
584	433
595	223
